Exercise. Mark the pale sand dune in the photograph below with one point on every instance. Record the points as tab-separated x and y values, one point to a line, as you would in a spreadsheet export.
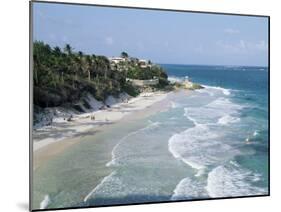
82	123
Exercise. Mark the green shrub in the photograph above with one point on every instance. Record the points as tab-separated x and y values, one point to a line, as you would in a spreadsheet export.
131	89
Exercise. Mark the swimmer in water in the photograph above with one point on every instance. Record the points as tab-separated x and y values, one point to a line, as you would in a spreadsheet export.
247	140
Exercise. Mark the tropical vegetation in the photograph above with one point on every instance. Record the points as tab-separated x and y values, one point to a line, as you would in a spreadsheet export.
64	76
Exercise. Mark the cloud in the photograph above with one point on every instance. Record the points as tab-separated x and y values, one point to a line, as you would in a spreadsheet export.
262	45
67	22
231	31
242	46
231	47
109	40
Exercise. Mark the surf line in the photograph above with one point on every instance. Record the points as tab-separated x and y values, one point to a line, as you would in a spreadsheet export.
113	156
98	186
45	202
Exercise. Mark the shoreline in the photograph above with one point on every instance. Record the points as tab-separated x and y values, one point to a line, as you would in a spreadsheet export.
82	122
70	133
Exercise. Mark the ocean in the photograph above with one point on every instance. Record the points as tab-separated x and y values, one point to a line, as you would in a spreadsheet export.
230	124
209	143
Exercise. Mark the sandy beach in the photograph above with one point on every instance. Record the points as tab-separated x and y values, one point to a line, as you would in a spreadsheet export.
49	141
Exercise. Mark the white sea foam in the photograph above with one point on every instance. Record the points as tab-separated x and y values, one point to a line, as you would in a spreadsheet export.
221	110
105	179
174	104
186	114
200	146
227	119
119	184
45	202
114	159
226	181
257	177
151	125
207	91
225	91
200	172
177	79
256	133
224	104
189	189
234	163
190	146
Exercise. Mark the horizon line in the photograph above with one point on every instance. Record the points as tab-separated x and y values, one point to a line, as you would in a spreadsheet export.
190	64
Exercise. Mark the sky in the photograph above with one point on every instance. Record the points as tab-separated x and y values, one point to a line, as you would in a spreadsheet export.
161	36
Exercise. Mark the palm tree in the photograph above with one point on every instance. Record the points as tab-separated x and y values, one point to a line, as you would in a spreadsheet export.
77	66
105	65
80	54
81	63
89	66
124	54
36	67
68	49
94	65
57	51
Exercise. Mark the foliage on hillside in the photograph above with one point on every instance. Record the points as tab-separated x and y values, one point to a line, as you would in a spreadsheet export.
64	76
150	72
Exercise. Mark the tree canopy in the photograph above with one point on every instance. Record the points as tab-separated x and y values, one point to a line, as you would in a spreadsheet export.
124	54
63	77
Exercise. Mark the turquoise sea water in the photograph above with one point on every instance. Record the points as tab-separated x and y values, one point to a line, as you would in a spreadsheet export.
237	119
209	143
212	143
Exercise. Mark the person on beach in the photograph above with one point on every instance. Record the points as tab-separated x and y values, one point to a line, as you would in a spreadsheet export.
70	118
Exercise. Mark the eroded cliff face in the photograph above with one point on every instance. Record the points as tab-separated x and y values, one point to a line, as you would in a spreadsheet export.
46	116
